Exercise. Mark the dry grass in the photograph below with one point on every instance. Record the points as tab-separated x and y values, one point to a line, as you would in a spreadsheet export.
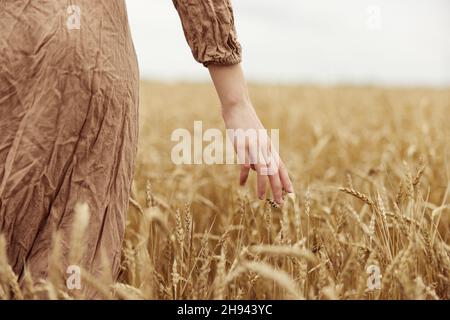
372	180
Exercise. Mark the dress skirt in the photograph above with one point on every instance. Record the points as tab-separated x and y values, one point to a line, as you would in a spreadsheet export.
69	86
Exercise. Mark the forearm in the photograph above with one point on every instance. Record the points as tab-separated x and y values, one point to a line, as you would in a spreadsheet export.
230	85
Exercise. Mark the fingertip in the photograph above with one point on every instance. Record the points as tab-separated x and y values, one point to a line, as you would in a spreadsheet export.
291	195
290	189
278	195
261	194
279	199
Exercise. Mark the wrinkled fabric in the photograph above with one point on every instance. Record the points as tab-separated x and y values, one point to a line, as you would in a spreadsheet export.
69	120
68	128
209	30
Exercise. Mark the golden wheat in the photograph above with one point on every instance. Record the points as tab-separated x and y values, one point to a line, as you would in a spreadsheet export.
192	233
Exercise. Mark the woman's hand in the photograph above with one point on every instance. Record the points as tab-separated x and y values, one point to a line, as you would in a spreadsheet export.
255	151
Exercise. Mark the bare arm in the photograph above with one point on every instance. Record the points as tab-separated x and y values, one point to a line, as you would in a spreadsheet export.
210	32
238	113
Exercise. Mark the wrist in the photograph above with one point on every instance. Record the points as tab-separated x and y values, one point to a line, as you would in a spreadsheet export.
231	104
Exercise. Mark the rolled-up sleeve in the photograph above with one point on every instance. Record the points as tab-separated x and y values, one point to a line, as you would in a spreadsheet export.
210	31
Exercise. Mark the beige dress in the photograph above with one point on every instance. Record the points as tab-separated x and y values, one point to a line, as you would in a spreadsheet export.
69	118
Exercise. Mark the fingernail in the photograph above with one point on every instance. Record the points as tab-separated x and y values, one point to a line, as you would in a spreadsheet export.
291	195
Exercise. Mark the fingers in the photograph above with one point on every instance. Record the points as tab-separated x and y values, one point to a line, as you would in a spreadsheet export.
284	178
269	166
272	170
277	188
260	182
245	170
279	181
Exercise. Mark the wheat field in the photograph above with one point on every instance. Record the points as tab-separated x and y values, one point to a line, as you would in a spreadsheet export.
371	171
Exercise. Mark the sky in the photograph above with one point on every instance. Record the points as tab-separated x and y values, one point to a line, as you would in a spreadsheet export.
385	42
